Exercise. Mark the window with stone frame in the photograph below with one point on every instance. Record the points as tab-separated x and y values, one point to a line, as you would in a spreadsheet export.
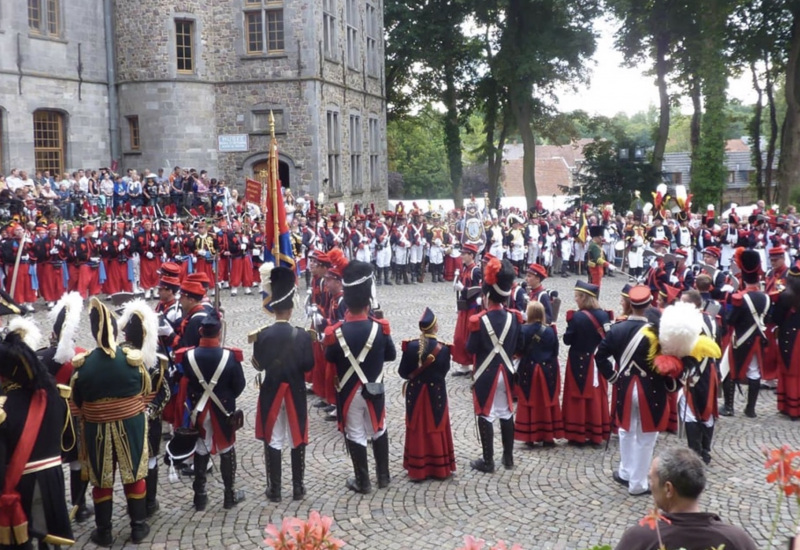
48	141
374	137
44	17
134	142
264	30
373	33
329	41
184	45
334	151
356	169
351	12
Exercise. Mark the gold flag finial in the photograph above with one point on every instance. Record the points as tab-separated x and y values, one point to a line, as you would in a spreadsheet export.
271	124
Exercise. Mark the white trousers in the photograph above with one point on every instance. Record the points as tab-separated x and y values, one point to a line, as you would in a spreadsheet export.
500	406
204	445
281	432
383	257
636	450
358	422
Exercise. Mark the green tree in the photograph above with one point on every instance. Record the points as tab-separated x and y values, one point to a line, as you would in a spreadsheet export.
540	44
607	178
417	152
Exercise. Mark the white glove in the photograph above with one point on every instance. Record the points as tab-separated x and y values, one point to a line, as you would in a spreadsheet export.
673	280
194	259
726	288
479	301
316	319
164	329
245	240
458	285
152	244
612	267
243	246
121	247
54	250
149	255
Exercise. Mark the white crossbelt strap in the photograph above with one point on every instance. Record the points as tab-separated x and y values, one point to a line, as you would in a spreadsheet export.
627	355
497	348
355	362
208	387
759	323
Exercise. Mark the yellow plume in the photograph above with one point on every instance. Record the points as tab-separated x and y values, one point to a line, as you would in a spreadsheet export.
706	347
652	339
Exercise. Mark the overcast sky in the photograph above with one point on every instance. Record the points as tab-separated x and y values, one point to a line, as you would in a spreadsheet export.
615	89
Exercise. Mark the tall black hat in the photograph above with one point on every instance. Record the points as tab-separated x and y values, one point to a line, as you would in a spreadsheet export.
358	284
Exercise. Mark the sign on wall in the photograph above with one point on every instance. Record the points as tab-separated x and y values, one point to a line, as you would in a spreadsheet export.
233	143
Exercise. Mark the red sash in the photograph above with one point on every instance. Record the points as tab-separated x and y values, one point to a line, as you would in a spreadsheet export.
13	521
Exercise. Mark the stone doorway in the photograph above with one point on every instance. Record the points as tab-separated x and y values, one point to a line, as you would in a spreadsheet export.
283	172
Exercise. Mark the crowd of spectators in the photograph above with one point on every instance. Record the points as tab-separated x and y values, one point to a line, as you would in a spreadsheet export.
86	191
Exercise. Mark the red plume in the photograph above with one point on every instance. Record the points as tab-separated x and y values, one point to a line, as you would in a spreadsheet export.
737	256
492	269
668	365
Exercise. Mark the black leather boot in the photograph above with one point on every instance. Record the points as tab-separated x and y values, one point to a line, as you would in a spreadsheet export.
728	388
308	278
753	387
272	458
507	435
298	472
199	483
694	437
360	482
227	468
386	278
77	492
101	536
404	270
486	432
137	510
708	435
380	449
414	268
152	491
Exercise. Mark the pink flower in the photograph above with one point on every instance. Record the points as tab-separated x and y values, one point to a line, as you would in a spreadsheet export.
471	543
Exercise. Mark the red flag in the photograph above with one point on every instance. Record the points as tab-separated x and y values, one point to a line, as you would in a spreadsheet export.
252	191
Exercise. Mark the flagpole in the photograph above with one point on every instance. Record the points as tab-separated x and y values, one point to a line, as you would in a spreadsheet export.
273	164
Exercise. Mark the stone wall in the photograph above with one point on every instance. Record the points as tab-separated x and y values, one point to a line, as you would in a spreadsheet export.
51	79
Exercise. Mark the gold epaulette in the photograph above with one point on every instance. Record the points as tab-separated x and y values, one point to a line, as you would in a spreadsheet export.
2	410
78	360
253	335
65	392
134	357
163	360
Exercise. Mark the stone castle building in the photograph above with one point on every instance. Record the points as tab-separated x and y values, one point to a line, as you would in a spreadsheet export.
155	84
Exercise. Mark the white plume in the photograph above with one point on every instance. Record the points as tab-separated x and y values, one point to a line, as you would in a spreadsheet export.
662	188
65	349
264	272
149	318
680	192
27	330
680	328
647	208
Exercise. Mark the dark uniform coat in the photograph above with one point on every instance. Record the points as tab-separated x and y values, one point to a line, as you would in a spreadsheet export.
741	321
208	355
787	318
470	277
653	388
356	330
481	346
283	353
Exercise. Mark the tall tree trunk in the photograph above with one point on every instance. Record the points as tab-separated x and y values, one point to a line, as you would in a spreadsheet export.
662	45
773	134
523	114
755	134
789	163
694	124
452	136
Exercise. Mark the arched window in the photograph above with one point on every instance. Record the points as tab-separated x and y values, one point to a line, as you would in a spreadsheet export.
48	141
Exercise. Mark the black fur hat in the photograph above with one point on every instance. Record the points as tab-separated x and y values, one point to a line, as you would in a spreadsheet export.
282	280
357	281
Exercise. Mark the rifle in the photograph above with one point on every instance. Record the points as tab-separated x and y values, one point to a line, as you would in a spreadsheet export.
16	263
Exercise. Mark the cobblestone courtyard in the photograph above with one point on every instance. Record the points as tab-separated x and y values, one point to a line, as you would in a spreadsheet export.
560	498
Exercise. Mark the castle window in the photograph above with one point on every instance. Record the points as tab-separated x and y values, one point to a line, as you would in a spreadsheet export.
43	17
264	32
352	34
133	131
329	29
261	121
356	178
374	150
334	152
373	32
48	141
184	42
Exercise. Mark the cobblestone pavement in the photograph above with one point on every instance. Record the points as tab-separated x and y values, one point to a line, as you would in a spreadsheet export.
560	498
